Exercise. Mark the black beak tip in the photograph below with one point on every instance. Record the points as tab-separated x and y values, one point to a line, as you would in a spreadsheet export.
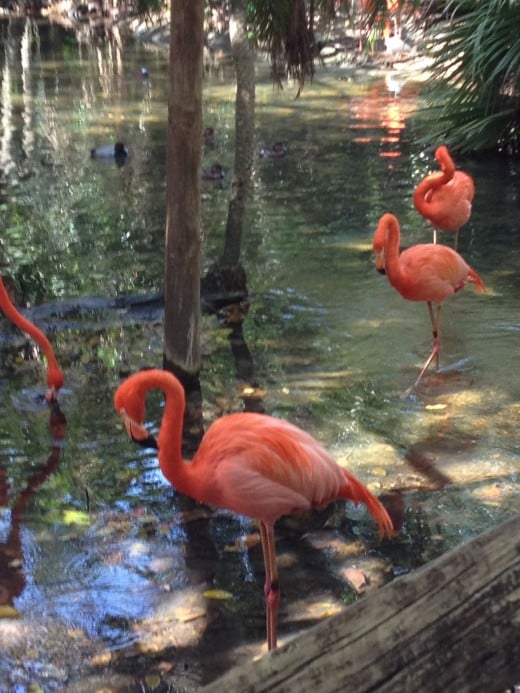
149	442
382	270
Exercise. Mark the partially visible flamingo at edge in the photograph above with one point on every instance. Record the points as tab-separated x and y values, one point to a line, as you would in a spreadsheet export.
54	373
445	197
425	272
252	464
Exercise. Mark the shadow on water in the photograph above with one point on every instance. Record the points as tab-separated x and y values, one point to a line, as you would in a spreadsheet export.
115	579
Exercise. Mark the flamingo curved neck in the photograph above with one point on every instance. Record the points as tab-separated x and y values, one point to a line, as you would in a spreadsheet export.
391	249
445	162
423	192
54	374
173	466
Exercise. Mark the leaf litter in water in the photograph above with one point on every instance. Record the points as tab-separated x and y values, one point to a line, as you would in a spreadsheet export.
243	543
220	595
8	611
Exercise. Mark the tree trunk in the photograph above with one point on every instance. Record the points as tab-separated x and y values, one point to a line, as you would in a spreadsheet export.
244	130
183	215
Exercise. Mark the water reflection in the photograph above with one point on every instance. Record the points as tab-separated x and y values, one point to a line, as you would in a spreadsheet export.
12	554
322	342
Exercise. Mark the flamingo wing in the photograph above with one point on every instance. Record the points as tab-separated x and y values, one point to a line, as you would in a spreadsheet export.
265	467
431	272
449	206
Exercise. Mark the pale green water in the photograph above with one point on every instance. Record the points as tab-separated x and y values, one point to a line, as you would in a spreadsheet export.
103	546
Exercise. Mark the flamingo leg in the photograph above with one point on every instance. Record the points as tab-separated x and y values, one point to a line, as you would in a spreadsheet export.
436	322
456	240
272	585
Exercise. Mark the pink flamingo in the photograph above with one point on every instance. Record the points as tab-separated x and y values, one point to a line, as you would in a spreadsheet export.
252	464
424	272
444	197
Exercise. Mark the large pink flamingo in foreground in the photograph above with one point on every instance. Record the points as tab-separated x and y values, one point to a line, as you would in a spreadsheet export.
425	272
54	372
444	197
252	464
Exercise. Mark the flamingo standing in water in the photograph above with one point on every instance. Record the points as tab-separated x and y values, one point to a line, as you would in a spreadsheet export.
252	464
444	197
54	372
425	272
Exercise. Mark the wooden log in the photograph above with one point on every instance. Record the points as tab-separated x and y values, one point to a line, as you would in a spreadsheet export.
453	625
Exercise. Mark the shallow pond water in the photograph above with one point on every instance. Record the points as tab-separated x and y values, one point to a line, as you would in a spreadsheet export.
112	578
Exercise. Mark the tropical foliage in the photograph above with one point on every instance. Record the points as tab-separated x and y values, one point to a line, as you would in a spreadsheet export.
474	99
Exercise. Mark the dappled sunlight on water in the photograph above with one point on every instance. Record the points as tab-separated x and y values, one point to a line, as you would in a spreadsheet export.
113	576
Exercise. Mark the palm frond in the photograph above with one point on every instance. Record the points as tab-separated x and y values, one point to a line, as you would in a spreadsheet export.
474	96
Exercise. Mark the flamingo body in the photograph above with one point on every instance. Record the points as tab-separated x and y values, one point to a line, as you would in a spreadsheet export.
54	373
263	467
252	464
425	272
445	197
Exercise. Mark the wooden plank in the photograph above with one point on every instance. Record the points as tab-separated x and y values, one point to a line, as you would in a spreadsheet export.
453	625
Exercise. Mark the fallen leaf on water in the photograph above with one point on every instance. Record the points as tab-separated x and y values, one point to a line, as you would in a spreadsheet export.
379	471
76	517
357	579
101	659
195	514
166	666
243	543
189	614
7	611
152	681
217	594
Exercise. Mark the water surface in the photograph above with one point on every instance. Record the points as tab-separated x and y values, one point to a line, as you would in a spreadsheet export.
99	552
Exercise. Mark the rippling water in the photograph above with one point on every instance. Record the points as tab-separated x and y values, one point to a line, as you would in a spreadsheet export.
103	555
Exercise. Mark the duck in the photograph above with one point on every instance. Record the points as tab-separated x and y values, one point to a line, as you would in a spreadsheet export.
117	151
214	172
275	150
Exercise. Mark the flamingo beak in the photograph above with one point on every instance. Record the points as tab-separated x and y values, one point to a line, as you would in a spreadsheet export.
380	262
137	432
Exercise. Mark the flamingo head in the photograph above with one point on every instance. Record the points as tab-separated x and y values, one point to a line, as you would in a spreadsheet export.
55	381
129	402
445	161
380	261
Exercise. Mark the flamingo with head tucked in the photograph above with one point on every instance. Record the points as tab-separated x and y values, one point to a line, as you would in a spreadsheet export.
252	464
54	372
426	272
445	197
